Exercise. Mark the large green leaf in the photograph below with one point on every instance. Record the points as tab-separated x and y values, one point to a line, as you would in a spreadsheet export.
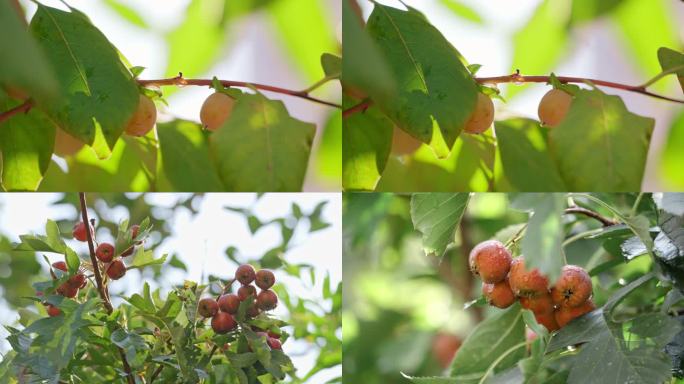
366	144
328	159
589	10
99	94
463	11
26	141
261	147
525	157
23	65
672	156
436	93
600	145
670	59
437	216
185	159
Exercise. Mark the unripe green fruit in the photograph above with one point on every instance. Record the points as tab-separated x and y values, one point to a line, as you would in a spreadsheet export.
215	110
264	279
144	117
403	143
223	322
116	270
483	115
245	274
498	294
267	300
207	307
553	107
491	260
105	252
229	303
246	291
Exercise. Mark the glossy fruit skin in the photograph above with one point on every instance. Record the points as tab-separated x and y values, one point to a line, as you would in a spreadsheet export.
116	270
61	265
79	232
207	307
53	311
274	343
267	300
246	291
553	107
264	279
245	274
77	281
223	323
539	304
498	294
105	252
548	320
491	260
564	315
482	117
65	144
573	287
526	283
229	303
403	143
144	117
215	110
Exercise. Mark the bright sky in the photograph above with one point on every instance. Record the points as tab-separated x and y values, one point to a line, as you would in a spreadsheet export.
200	242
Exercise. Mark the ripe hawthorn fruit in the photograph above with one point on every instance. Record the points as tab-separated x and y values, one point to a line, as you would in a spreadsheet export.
61	265
207	307
144	117
573	287
538	304
548	320
77	281
444	348
67	290
223	322
246	291
267	300
498	294
553	107
134	231
245	274
274	343
116	270
53	311
526	283
566	314
79	231
491	260
482	116
253	310
65	144
215	110
403	143
264	279
274	334
129	251
105	252
229	303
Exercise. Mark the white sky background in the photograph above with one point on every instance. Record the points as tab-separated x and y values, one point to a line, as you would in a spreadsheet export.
256	55
596	53
200	242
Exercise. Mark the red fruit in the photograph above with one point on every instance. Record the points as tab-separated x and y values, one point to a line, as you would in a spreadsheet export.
60	265
541	304
548	320
246	291
207	307
53	311
253	310
229	303
573	287
498	294
79	232
105	252
274	343
565	314
67	290
223	322
526	283
245	274
77	281
134	231
267	300
116	270
274	335
444	348
491	260
265	279
128	252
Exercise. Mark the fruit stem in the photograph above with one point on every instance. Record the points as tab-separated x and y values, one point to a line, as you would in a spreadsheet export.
24	107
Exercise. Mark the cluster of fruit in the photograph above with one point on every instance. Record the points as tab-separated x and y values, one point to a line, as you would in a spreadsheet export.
223	310
505	280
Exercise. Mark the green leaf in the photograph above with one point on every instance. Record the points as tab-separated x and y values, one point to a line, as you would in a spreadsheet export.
437	216
98	93
463	11
589	10
437	93
329	157
600	145
262	148
487	342
23	65
672	156
366	145
547	29
670	59
332	65
525	156
185	158
127	13
26	141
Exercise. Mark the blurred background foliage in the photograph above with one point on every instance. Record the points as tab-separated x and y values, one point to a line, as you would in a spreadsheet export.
405	312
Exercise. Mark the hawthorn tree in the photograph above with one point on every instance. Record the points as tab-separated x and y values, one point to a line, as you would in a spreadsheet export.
66	90
195	332
405	85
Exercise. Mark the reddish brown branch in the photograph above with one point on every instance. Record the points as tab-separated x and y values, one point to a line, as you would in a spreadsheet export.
25	107
180	81
517	78
594	215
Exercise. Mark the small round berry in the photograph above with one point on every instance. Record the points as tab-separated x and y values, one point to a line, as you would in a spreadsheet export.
144	117
547	320
274	343
79	232
223	322
483	115
267	300
215	110
265	279
526	283
77	281
53	311
207	307
539	304
566	314
553	107
116	270
573	287
498	294
67	290
229	303
245	274
491	260
246	291
105	252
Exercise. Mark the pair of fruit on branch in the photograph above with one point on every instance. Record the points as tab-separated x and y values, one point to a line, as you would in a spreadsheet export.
505	280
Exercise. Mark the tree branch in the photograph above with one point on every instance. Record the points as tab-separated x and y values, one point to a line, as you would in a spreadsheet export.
98	279
25	107
517	78
181	81
594	215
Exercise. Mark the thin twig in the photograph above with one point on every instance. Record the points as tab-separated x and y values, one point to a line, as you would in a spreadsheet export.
24	107
156	373
594	215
